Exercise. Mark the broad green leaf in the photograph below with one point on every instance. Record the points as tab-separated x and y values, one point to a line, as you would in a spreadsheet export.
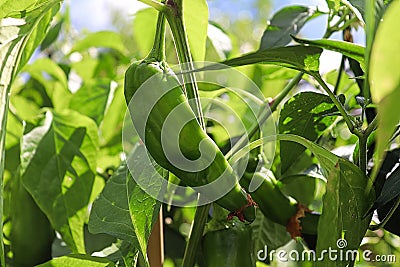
268	233
144	30
113	121
372	11
220	41
52	35
14	131
326	158
391	185
286	22
106	39
86	68
359	5
110	211
301	58
58	165
301	187
78	260
123	209
122	253
380	7
11	8
25	110
53	79
143	208
307	114
19	37
390	190
344	205
384	78
41	65
93	99
351	50
195	17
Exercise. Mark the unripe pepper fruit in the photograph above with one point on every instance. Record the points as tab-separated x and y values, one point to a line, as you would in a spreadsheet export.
150	107
229	247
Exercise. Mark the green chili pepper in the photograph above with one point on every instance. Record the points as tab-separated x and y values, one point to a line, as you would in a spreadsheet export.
163	108
31	233
255	156
229	247
278	207
272	202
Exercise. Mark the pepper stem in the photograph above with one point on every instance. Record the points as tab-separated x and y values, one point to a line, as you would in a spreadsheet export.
175	20
157	52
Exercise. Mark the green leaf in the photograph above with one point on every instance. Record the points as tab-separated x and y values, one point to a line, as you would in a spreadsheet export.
359	5
110	211
58	165
143	208
286	22
391	186
54	80
47	65
326	158
113	121
10	8
300	58
220	42
77	260
106	39
93	99
333	4
344	205
195	16
351	50
307	114
268	233
384	79
19	37
25	110
122	253
345	202
380	7
144	29
123	209
51	35
301	187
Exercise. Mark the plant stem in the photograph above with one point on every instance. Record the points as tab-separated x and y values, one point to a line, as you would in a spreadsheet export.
371	127
173	13
362	144
196	233
175	20
339	105
265	113
370	25
341	67
158	50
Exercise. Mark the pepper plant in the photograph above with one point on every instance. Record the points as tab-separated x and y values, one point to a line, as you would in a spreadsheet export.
115	150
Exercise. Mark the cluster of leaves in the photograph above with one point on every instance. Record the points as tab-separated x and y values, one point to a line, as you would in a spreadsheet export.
65	117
